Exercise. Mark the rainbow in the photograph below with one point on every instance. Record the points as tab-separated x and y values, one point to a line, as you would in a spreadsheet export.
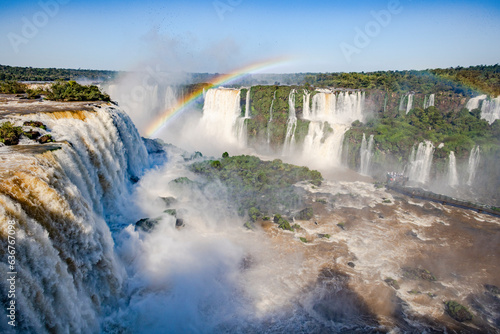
184	103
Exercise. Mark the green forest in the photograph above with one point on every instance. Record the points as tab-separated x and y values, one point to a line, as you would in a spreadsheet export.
460	80
52	74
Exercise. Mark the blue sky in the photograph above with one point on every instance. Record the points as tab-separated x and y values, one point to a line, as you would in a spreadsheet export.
222	35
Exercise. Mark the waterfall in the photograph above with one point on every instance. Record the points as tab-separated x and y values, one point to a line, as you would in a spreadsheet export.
366	154
289	145
474	102
474	159
331	116
247	103
57	196
306	109
452	171
410	103
490	110
429	102
402	103
221	111
421	162
241	122
270	119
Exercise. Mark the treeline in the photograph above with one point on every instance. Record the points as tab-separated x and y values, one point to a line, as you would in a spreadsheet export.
52	74
59	91
466	81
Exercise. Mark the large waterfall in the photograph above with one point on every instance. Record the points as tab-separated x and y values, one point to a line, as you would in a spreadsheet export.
331	115
241	122
289	145
474	102
420	162
57	197
220	114
474	159
366	154
490	110
452	170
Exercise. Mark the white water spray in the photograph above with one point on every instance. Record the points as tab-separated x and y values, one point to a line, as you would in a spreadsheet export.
270	119
452	171
366	153
421	162
289	145
220	114
331	116
410	103
490	110
429	102
474	159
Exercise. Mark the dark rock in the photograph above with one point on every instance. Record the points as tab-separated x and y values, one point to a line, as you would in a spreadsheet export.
457	311
45	139
492	289
171	212
411	233
33	135
169	200
305	214
11	141
134	179
392	282
146	224
179	222
35	124
351	264
418	273
381	216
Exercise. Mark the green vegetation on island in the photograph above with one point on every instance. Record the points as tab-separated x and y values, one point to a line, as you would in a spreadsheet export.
259	188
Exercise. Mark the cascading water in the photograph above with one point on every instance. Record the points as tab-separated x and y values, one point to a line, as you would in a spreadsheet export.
270	119
331	116
452	171
409	106
306	112
474	102
402	103
420	162
429	102
242	125
474	159
366	154
57	196
490	110
289	145
220	114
